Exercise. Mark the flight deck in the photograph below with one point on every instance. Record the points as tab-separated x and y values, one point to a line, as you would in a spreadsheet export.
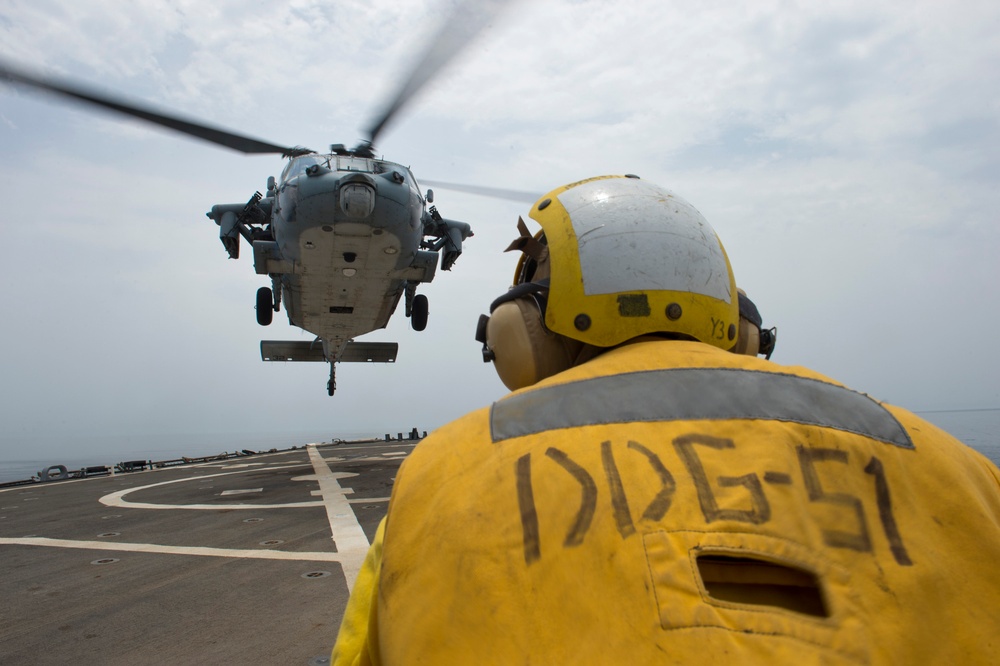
238	561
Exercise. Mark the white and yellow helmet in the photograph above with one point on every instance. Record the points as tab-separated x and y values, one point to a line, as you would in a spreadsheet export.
617	258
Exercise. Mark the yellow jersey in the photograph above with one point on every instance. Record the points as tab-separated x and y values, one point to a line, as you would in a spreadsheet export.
669	502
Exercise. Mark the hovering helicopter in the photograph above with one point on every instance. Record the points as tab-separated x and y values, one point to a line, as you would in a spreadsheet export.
342	235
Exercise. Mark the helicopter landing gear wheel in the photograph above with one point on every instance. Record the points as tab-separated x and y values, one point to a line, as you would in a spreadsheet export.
418	318
265	306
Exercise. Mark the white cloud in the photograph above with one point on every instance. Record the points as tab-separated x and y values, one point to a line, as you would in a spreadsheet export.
846	153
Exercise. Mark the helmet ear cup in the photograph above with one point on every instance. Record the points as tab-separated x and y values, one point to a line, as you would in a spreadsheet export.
748	340
525	351
753	339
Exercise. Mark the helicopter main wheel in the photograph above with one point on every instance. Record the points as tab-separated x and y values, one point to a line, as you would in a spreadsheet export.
418	316
265	306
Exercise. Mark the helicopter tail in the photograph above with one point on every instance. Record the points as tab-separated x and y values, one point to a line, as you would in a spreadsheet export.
352	352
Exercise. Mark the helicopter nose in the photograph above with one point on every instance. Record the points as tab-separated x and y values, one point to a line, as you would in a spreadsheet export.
357	200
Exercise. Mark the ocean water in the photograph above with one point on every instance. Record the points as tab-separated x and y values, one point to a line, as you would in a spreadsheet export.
978	428
92	452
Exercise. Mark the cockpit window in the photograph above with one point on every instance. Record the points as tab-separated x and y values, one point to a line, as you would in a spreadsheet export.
299	164
348	163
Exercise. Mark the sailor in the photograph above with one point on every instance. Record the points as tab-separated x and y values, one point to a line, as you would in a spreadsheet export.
645	495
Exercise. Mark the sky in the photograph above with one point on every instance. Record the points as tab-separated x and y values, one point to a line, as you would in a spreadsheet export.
847	154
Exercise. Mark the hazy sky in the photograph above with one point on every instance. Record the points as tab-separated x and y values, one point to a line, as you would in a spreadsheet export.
847	153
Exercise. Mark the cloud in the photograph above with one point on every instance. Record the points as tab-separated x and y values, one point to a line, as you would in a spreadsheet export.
846	153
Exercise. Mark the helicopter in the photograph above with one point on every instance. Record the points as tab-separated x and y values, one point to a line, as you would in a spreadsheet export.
342	236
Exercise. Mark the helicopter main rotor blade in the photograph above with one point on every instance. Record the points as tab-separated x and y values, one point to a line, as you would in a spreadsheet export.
243	144
521	196
465	22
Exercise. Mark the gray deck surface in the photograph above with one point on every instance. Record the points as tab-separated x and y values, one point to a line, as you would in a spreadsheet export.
162	567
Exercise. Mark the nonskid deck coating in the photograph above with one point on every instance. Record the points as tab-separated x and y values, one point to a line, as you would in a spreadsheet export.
229	562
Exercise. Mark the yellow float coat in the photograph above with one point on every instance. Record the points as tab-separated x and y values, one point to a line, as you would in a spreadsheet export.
669	502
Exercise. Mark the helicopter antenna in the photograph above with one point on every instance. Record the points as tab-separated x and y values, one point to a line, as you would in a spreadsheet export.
459	28
227	139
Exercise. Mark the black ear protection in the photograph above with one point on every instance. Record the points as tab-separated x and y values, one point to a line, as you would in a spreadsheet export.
752	339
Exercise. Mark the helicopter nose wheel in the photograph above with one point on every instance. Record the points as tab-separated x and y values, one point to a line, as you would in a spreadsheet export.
418	317
265	306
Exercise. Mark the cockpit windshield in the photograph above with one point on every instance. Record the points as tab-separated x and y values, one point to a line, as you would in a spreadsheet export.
352	163
335	162
298	165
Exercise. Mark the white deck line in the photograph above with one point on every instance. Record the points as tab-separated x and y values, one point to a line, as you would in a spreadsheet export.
352	544
348	537
173	550
117	499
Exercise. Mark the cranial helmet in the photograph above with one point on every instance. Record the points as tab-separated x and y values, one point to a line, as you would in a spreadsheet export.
617	258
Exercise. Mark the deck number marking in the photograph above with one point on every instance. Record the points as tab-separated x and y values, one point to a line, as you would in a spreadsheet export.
838	539
884	500
686	446
760	511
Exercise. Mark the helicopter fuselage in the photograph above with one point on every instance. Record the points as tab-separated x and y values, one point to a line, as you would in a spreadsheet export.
350	228
343	236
